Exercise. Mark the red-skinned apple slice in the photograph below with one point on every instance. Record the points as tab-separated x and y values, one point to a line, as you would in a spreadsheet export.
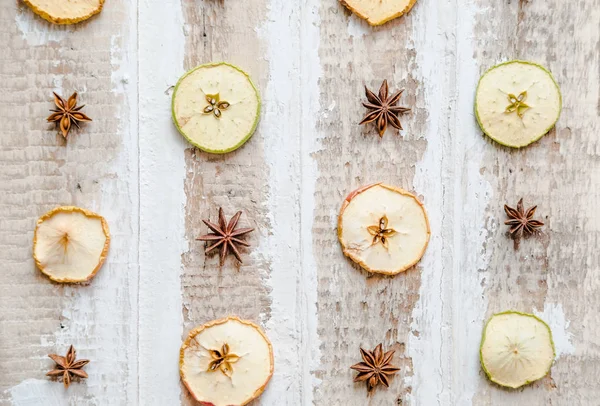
382	228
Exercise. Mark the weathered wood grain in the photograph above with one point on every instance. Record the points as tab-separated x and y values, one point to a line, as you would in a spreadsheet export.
550	274
223	31
356	309
310	61
95	169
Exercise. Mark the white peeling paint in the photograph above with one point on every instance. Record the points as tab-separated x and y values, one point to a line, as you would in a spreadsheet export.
472	196
33	391
36	31
357	27
554	316
281	243
310	142
427	347
292	325
451	308
162	204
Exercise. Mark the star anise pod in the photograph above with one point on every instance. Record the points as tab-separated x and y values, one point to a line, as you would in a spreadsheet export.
225	236
521	221
380	232
383	109
67	114
222	360
68	367
375	368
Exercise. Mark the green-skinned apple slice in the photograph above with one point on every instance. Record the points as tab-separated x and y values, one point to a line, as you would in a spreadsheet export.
216	107
516	349
517	103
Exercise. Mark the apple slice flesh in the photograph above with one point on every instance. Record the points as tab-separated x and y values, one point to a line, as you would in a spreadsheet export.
381	206
70	244
517	103
378	12
516	349
250	370
216	107
65	12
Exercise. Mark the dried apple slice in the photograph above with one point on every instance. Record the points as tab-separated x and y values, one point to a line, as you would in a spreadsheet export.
216	107
70	244
383	229
517	103
378	12
516	349
226	362
65	12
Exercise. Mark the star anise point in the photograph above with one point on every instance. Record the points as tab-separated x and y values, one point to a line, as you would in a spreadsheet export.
68	366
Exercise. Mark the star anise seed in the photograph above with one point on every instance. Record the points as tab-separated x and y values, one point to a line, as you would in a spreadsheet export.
521	221
66	114
68	367
383	109
225	236
376	367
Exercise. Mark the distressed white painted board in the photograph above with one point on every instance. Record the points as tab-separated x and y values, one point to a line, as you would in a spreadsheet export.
310	61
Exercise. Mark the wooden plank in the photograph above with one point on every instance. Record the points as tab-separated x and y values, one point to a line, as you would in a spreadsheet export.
94	169
223	31
356	309
550	274
162	172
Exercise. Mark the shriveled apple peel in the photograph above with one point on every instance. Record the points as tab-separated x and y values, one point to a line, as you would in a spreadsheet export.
226	362
65	11
70	244
516	349
384	229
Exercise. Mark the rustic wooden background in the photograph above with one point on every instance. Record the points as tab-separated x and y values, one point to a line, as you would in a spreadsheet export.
310	60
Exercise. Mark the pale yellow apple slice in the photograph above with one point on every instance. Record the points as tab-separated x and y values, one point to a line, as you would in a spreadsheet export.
517	103
226	362
384	229
65	11
70	244
516	349
216	107
378	12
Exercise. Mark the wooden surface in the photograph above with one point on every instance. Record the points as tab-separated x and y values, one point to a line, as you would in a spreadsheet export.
310	61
